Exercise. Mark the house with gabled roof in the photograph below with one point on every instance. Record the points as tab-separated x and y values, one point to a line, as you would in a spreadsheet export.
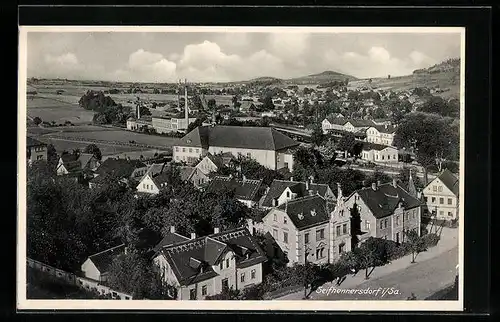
281	191
154	180
386	211
212	163
35	150
97	266
374	152
202	266
126	171
301	227
381	134
265	145
441	196
76	164
246	191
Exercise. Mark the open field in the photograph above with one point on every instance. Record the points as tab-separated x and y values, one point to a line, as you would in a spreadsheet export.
442	80
106	149
50	109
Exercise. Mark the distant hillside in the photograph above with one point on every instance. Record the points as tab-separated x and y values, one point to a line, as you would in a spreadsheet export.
443	77
324	77
264	81
450	65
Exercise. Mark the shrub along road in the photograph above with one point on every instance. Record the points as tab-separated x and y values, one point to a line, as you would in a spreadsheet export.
434	269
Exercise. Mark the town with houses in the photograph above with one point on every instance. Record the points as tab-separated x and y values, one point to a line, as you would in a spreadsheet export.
268	189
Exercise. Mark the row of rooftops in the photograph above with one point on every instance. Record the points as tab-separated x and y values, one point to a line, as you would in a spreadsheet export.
360	123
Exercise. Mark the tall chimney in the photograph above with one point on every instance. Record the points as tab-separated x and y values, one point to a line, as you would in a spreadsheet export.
374	186
186	112
291	179
307	184
216	230
172	229
193	235
339	191
138	110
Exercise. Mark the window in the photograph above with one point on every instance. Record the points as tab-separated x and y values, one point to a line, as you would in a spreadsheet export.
249	155
221	265
385	223
288	194
144	185
190	150
227	263
197	150
441	213
381	224
285	221
441	201
204	290
192	294
440	188
275	233
320	234
344	229
183	149
394	157
225	283
306	238
39	157
338	231
413	214
376	157
252	274
433	199
434	188
397	221
242	277
341	248
176	149
425	199
275	217
367	225
450	201
450	214
285	237
382	157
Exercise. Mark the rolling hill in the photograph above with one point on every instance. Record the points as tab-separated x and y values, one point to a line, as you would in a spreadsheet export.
324	77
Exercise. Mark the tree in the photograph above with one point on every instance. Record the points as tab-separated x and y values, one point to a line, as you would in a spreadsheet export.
355	220
212	104
306	274
317	136
52	157
94	150
416	244
194	125
347	142
37	120
418	133
226	295
268	103
379	113
377	176
370	254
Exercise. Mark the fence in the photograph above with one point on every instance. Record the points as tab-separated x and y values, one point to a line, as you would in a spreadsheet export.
79	281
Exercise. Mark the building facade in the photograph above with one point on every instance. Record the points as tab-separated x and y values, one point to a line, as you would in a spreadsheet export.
441	196
168	125
35	150
381	134
267	146
203	266
379	153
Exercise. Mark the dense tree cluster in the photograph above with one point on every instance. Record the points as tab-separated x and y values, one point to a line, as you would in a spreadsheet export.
107	111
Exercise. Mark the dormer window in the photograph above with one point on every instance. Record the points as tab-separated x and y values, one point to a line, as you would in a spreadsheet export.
313	212
301	216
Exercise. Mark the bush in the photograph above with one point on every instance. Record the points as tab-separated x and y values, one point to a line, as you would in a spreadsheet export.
431	240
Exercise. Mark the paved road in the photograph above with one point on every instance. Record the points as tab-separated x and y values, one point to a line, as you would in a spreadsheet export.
422	278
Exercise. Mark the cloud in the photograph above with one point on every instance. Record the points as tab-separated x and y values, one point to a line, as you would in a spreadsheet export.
376	62
147	67
291	47
67	59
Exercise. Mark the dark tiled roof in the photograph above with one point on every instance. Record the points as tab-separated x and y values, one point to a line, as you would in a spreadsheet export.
385	199
277	187
360	122
216	159
262	138
367	146
187	257
30	142
337	120
306	211
243	189
450	181
385	129
104	259
170	239
121	168
186	172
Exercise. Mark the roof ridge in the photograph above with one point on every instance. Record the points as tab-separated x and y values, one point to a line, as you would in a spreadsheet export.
107	250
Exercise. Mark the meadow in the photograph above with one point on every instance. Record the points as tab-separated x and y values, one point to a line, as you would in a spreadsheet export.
106	149
59	111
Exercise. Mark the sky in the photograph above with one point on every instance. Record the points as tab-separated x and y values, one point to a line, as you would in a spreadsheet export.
231	56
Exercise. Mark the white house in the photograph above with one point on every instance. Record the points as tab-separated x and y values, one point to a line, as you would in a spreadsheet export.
266	145
97	266
381	134
441	196
379	153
